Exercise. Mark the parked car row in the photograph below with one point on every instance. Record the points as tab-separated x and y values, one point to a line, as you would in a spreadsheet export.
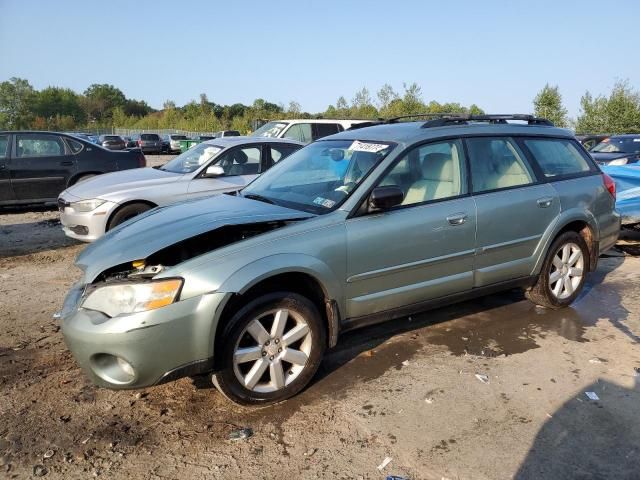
356	228
36	166
215	166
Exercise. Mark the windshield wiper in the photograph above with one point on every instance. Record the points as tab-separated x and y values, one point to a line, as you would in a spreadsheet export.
260	198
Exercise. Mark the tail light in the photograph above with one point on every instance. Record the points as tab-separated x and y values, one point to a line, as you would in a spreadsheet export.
609	184
142	161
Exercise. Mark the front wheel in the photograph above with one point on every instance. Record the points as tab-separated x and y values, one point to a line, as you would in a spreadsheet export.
563	272
270	349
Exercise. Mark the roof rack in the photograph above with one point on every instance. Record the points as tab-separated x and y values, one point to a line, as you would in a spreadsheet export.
465	119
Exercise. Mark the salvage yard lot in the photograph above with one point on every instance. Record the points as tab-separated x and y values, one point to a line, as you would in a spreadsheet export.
406	390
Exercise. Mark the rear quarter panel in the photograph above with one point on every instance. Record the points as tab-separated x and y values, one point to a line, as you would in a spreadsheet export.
583	199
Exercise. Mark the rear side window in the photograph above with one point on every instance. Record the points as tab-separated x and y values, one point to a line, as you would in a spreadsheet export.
74	145
4	143
497	163
149	137
557	157
326	129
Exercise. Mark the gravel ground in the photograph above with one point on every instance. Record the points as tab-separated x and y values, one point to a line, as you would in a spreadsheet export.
408	390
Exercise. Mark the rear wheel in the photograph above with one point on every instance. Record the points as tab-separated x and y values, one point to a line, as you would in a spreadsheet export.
563	272
126	213
270	349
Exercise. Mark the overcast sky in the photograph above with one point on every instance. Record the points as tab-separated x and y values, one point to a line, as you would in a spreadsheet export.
497	54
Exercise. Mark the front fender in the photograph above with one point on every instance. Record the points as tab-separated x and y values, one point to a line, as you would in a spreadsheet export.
253	273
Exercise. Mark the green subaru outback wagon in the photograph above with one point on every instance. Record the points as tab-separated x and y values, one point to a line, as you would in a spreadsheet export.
365	226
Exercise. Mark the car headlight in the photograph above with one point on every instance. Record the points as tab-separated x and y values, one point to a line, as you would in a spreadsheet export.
619	161
87	205
114	300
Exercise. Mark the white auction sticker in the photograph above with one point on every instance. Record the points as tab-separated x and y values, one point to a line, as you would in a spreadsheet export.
358	146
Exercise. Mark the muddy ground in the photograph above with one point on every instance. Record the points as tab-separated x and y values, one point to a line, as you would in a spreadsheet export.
406	390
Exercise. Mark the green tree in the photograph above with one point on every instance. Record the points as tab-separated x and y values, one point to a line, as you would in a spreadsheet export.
386	95
548	104
617	113
54	102
16	100
100	100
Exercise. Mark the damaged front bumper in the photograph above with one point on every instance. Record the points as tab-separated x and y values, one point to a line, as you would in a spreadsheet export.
146	348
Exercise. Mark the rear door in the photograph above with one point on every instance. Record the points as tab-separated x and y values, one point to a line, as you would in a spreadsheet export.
514	209
6	191
240	164
40	167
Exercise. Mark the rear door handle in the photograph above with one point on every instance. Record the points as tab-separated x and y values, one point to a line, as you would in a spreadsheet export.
457	218
545	202
66	163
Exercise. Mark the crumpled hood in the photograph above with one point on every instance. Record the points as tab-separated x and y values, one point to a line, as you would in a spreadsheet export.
164	226
102	186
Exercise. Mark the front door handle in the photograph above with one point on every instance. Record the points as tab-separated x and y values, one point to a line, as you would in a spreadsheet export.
545	202
66	164
457	218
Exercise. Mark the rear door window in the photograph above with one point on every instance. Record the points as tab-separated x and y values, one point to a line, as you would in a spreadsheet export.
497	163
39	145
326	129
4	144
278	152
558	157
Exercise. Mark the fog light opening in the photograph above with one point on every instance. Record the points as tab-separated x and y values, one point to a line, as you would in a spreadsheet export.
112	369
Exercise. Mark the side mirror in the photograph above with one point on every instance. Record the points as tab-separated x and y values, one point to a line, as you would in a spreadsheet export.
383	198
213	171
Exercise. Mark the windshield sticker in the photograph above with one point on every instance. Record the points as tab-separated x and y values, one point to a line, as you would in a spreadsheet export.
358	146
636	139
325	202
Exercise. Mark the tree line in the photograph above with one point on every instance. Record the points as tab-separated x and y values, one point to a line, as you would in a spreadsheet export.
106	106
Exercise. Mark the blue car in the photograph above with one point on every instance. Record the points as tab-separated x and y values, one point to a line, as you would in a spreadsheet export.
627	180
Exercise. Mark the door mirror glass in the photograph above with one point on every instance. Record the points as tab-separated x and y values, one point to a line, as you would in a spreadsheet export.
213	171
384	198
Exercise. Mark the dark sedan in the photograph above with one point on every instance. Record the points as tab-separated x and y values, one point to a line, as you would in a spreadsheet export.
617	150
36	166
112	142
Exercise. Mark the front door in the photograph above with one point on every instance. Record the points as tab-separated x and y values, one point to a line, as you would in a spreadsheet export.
514	209
6	192
40	166
241	165
422	249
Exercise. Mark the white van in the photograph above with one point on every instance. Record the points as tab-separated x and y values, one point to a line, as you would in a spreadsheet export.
304	130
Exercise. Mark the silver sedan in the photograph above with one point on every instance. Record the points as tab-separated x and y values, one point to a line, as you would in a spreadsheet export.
91	208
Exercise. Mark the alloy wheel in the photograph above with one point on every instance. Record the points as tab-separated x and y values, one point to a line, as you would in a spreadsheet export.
272	351
567	271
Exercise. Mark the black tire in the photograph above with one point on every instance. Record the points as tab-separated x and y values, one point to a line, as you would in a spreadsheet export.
233	333
127	212
541	293
82	178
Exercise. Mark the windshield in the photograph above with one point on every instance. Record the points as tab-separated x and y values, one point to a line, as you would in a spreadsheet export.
192	159
178	137
319	177
271	129
618	145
